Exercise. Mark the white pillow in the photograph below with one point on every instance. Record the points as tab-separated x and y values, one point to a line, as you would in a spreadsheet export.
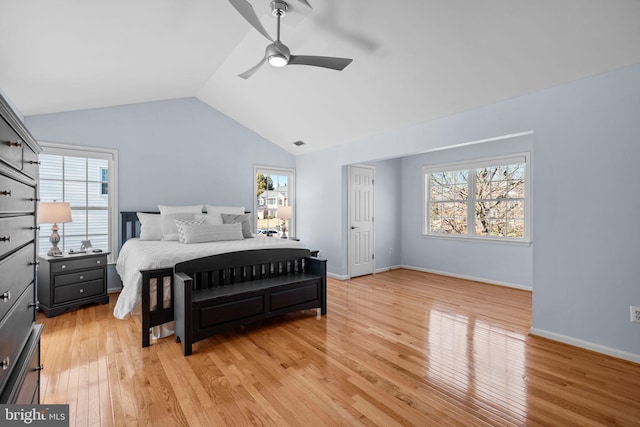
242	219
150	226
217	210
192	232
211	219
169	228
166	209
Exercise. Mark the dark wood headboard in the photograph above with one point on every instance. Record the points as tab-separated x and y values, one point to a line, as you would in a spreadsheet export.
130	225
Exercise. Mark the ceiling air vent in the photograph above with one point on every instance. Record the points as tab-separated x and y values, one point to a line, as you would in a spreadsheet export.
298	143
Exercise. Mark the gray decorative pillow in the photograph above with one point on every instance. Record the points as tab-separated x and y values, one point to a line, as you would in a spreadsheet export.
181	224
193	232
169	228
243	219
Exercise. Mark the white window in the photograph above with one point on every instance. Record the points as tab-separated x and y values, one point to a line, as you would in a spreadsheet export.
484	199
85	178
277	187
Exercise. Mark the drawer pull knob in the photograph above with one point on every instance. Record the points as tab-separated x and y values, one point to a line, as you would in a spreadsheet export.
5	239
5	363
63	266
34	199
34	228
81	277
98	262
81	290
39	368
35	304
15	144
6	193
34	263
6	296
35	162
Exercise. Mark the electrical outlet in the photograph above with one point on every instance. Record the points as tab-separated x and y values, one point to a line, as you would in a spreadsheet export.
635	314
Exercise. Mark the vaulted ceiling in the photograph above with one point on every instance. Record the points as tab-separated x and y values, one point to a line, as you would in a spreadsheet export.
413	60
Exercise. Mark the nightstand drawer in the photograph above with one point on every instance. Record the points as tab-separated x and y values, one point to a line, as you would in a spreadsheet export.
78	264
81	276
78	291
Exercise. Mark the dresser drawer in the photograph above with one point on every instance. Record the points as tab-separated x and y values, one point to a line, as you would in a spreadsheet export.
30	162
11	145
16	273
78	277
16	197
15	232
78	264
14	330
78	291
23	387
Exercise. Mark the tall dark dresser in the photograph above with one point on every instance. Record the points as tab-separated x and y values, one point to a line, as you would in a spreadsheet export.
19	334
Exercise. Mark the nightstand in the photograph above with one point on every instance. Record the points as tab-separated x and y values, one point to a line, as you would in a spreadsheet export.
70	281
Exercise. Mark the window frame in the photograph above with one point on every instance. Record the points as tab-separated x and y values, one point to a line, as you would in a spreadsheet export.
472	166
291	194
111	155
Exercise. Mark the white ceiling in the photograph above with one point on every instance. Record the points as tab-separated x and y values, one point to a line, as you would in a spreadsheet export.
413	60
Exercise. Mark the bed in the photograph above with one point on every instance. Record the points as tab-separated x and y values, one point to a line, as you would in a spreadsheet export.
146	270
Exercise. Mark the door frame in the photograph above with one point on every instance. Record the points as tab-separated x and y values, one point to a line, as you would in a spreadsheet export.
348	222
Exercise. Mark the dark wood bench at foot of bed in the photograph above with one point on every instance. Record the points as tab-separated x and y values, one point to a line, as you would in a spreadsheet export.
220	292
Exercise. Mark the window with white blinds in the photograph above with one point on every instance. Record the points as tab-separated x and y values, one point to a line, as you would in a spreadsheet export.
85	178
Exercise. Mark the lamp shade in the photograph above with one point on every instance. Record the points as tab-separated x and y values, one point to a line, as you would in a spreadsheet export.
54	212
284	212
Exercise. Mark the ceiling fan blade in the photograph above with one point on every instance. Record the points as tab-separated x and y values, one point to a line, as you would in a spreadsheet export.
320	61
248	13
250	72
306	3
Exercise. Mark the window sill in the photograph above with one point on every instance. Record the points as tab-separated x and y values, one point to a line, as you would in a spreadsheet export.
478	239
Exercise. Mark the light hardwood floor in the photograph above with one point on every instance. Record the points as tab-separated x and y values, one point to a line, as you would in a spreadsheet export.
397	348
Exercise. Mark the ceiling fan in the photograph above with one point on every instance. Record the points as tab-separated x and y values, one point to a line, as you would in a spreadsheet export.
277	53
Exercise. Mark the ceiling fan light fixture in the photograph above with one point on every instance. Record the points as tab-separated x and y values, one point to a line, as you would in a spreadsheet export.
278	60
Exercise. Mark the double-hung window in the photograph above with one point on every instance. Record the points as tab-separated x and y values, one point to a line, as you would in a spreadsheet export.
275	190
85	178
484	199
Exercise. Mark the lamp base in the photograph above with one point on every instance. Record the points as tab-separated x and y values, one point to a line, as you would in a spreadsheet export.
54	239
54	251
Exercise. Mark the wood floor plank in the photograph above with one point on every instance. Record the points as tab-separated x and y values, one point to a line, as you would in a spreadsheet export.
396	348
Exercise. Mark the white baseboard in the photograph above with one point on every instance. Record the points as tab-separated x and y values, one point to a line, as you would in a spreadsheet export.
586	345
475	279
337	276
385	269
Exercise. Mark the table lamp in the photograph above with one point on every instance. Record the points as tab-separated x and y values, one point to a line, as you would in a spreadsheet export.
284	213
54	213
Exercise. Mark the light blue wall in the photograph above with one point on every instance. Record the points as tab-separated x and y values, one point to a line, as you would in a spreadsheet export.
584	266
170	152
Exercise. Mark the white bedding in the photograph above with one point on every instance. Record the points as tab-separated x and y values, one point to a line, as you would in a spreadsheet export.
137	255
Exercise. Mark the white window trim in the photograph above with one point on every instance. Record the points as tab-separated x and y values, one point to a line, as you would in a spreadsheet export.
474	164
291	190
100	153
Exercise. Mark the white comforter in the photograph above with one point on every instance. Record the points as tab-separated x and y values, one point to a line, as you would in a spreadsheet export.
137	255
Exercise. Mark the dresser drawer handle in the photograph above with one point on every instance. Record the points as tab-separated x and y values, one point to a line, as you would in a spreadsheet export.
34	228
5	363
81	277
5	239
98	262
34	199
34	263
6	193
35	304
81	290
39	368
6	296
63	266
35	162
15	144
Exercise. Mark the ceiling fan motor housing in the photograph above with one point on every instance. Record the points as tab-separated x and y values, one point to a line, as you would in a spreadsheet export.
279	8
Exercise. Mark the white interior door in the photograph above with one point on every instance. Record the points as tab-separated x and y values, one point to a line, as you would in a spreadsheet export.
361	257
